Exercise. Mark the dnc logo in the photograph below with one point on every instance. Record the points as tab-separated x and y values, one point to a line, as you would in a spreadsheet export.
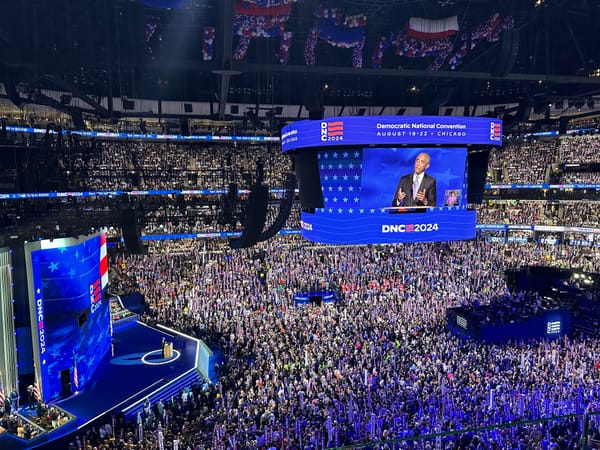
95	296
495	131
332	131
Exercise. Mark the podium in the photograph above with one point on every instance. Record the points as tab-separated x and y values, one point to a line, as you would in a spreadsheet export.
168	350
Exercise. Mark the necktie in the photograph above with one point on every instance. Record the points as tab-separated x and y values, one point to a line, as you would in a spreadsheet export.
415	188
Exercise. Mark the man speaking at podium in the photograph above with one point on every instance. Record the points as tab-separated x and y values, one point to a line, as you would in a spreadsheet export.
417	188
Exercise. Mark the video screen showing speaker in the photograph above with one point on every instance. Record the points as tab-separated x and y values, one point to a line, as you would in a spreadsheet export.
70	316
388	179
379	195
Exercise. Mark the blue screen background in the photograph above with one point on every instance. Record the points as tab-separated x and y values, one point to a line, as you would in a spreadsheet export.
382	168
64	276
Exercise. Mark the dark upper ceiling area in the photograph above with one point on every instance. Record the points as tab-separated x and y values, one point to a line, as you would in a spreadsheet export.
194	50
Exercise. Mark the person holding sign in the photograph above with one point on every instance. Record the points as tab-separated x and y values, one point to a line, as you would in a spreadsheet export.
417	188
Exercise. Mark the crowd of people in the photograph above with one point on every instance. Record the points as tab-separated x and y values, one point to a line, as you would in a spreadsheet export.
539	212
379	365
205	216
518	212
580	149
506	164
580	178
130	165
172	165
199	218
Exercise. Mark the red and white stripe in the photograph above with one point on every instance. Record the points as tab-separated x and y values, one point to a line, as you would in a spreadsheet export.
75	372
36	391
103	261
421	28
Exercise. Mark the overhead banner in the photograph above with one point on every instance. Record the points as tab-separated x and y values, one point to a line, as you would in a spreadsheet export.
377	227
391	130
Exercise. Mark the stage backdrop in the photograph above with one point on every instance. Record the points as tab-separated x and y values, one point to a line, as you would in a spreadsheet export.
70	318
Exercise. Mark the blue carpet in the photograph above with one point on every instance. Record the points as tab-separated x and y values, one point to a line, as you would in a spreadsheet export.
126	374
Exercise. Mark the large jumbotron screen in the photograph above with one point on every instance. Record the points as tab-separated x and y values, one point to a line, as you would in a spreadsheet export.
70	317
370	192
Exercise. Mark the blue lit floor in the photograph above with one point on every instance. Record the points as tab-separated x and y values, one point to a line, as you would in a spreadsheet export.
136	369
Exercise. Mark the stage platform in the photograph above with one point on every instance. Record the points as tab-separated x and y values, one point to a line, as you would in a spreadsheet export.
547	324
134	371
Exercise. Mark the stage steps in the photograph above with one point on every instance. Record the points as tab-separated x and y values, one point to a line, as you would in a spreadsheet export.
165	391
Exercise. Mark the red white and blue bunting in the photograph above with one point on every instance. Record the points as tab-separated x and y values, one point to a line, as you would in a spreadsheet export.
208	44
262	18
446	46
337	30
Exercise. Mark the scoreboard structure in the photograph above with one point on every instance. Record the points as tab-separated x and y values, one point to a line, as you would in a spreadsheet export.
360	161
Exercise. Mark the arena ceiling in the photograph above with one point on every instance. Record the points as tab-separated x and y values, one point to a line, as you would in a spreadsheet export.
157	49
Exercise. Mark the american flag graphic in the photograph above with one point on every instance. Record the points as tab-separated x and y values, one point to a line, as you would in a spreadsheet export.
1	392
335	129
36	391
103	261
496	130
96	291
341	181
75	374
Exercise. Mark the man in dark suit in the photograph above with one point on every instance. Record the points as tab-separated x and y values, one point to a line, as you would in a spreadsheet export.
417	188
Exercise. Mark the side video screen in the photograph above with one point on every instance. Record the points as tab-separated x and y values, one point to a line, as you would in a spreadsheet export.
386	195
72	317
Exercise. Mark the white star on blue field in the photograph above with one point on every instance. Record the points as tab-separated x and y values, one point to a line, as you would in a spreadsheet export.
340	173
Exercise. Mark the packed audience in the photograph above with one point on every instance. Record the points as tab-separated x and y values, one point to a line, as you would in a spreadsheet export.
110	165
524	212
526	160
580	178
517	212
580	149
379	365
206	215
523	160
